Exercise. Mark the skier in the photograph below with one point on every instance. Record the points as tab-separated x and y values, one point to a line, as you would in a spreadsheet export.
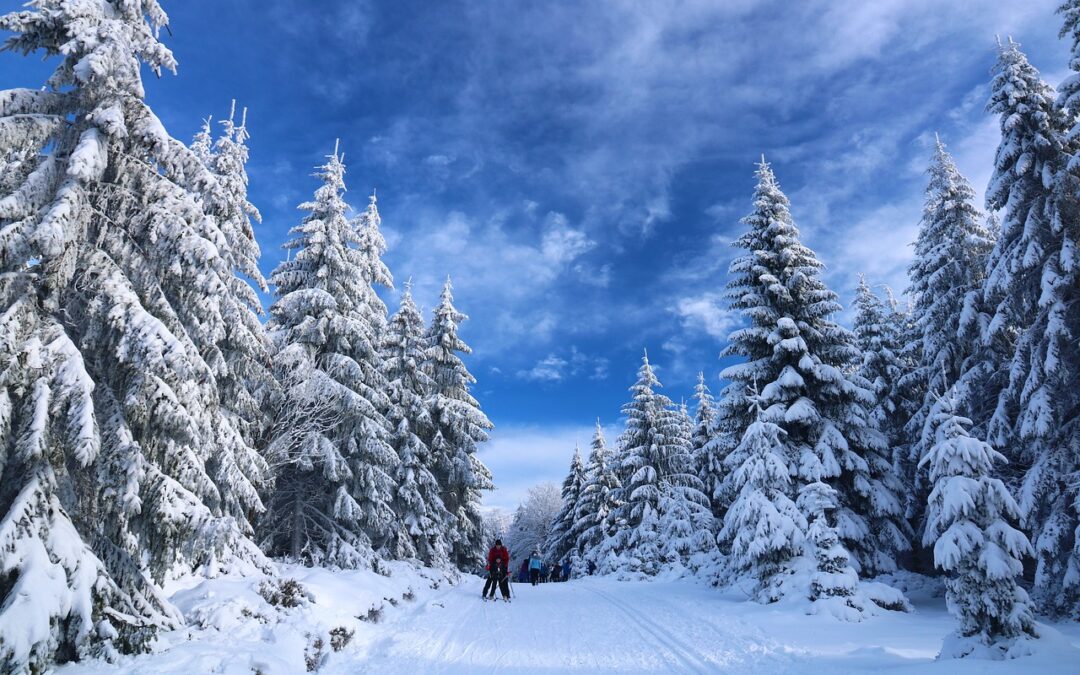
534	567
523	573
498	560
566	570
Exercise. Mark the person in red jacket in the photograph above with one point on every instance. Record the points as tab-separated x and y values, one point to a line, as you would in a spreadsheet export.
498	560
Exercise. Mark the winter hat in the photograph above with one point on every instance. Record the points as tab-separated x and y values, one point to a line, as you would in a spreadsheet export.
498	542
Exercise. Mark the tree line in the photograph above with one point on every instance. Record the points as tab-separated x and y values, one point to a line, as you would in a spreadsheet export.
941	435
151	423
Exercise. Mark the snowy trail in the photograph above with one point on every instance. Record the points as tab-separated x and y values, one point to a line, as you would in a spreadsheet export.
588	626
594	626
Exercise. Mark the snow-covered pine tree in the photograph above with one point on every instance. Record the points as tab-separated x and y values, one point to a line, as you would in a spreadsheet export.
706	447
598	501
804	363
643	447
372	247
763	528
834	585
421	525
459	426
878	336
1032	293
968	524
686	518
247	388
559	542
946	274
116	274
334	487
662	507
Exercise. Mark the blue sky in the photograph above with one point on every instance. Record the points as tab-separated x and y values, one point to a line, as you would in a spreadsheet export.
580	168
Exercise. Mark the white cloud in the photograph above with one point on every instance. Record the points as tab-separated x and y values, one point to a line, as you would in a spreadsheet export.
554	368
707	311
561	243
522	456
549	369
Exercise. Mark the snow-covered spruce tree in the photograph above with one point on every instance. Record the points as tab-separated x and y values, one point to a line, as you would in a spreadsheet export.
763	528
878	335
598	500
116	275
968	524
686	517
834	585
643	447
559	543
662	510
458	427
804	362
247	388
946	275
332	501
372	247
421	525
1032	293
707	448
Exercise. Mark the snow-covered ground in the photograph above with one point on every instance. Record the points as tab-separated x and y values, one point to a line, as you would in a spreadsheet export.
590	626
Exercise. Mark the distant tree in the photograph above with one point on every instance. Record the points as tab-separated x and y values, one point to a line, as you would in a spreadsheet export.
559	541
707	448
533	519
598	501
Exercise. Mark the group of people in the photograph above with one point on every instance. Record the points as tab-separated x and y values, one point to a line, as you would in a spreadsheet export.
534	570
539	571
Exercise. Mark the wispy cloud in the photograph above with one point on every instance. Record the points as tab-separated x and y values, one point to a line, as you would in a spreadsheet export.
555	368
521	456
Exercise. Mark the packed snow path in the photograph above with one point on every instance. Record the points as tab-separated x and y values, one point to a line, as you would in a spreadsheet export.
591	626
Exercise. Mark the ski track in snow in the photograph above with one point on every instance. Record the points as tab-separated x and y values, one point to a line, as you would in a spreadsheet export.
594	626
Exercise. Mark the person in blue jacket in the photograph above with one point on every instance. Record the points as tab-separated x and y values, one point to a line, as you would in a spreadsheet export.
534	567
566	570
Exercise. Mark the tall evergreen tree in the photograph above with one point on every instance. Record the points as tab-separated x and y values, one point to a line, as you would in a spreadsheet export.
968	524
116	279
334	486
421	527
946	275
803	362
459	426
598	500
662	505
559	542
240	358
1031	293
